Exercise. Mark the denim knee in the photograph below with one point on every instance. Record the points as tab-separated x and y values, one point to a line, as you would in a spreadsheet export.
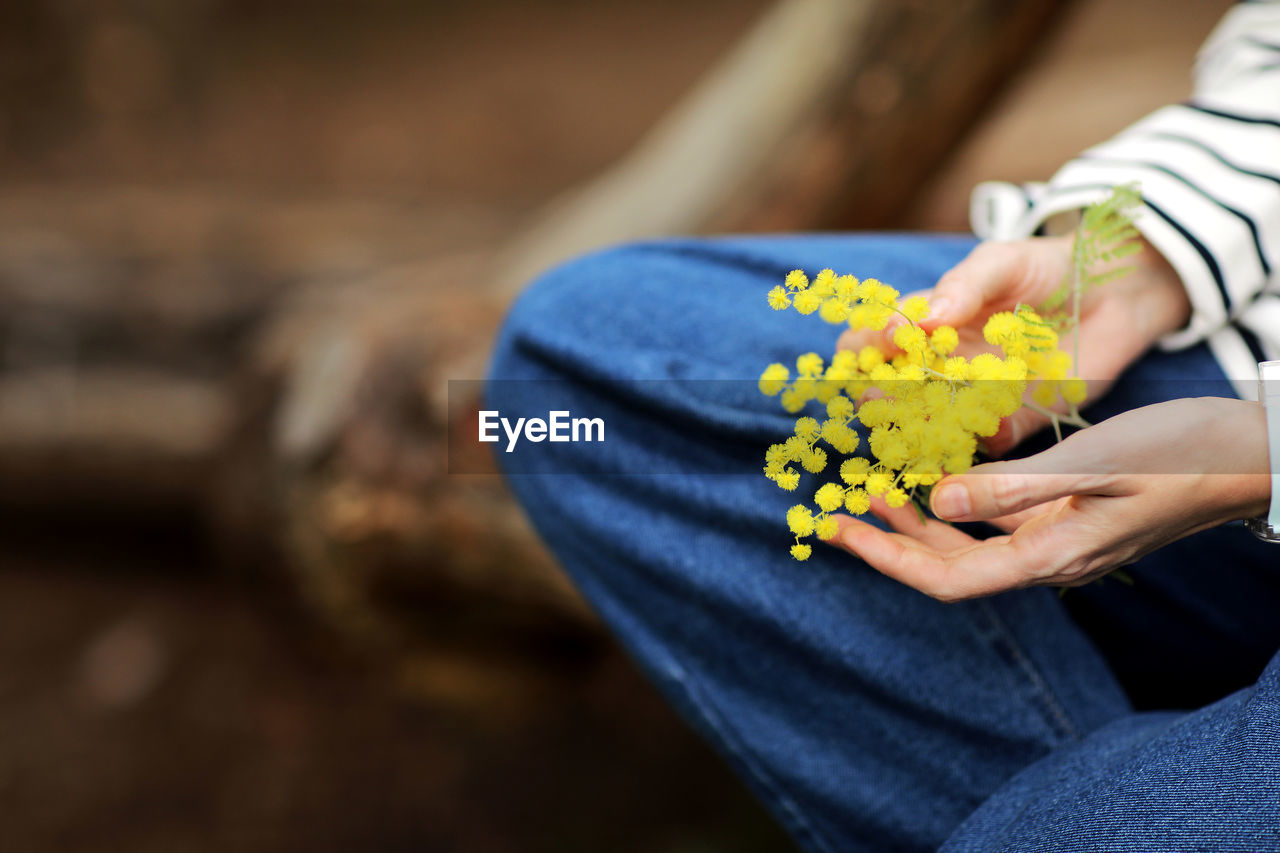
575	296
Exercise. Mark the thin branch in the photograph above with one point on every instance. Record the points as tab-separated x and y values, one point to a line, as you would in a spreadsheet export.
1075	421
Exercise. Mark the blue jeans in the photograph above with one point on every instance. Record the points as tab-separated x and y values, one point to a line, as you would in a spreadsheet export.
866	715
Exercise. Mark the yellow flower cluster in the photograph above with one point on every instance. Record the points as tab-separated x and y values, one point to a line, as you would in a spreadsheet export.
926	408
1023	334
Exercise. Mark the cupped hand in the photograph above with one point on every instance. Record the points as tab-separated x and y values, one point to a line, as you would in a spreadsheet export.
1119	321
1101	499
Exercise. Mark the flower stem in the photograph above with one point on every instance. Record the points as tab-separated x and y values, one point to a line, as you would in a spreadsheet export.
1058	417
1076	262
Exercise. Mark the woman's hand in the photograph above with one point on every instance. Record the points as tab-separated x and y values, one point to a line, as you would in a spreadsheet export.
1101	499
1119	321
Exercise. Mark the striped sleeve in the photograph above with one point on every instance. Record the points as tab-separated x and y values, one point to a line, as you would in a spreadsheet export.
1209	170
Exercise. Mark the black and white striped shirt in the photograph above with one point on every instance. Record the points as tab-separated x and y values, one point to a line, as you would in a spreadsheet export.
1209	170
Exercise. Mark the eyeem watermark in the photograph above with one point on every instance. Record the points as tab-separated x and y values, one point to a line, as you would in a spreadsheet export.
558	426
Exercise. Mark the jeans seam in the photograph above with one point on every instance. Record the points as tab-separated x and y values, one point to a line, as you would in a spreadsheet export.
768	785
1053	709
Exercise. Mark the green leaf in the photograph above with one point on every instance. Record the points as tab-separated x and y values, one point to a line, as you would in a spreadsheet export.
1106	234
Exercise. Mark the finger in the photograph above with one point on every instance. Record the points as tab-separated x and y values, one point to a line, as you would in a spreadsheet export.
970	572
1013	521
896	320
900	557
1002	488
1066	544
855	339
870	393
1003	563
910	522
980	496
990	273
1048	549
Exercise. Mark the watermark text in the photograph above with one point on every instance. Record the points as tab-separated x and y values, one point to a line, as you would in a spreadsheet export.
559	425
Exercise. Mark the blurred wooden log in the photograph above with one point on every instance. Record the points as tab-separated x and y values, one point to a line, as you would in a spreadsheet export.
922	76
115	362
272	370
110	439
127	319
830	113
711	146
375	526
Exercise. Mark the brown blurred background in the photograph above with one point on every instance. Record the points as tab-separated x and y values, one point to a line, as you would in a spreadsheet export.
243	245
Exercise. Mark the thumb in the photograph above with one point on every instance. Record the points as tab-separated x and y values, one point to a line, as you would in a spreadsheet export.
996	275
1003	488
990	272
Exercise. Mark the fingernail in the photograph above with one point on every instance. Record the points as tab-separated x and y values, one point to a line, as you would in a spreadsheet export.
951	502
938	308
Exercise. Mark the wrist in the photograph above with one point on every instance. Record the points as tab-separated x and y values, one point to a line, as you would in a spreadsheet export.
1243	428
1163	302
